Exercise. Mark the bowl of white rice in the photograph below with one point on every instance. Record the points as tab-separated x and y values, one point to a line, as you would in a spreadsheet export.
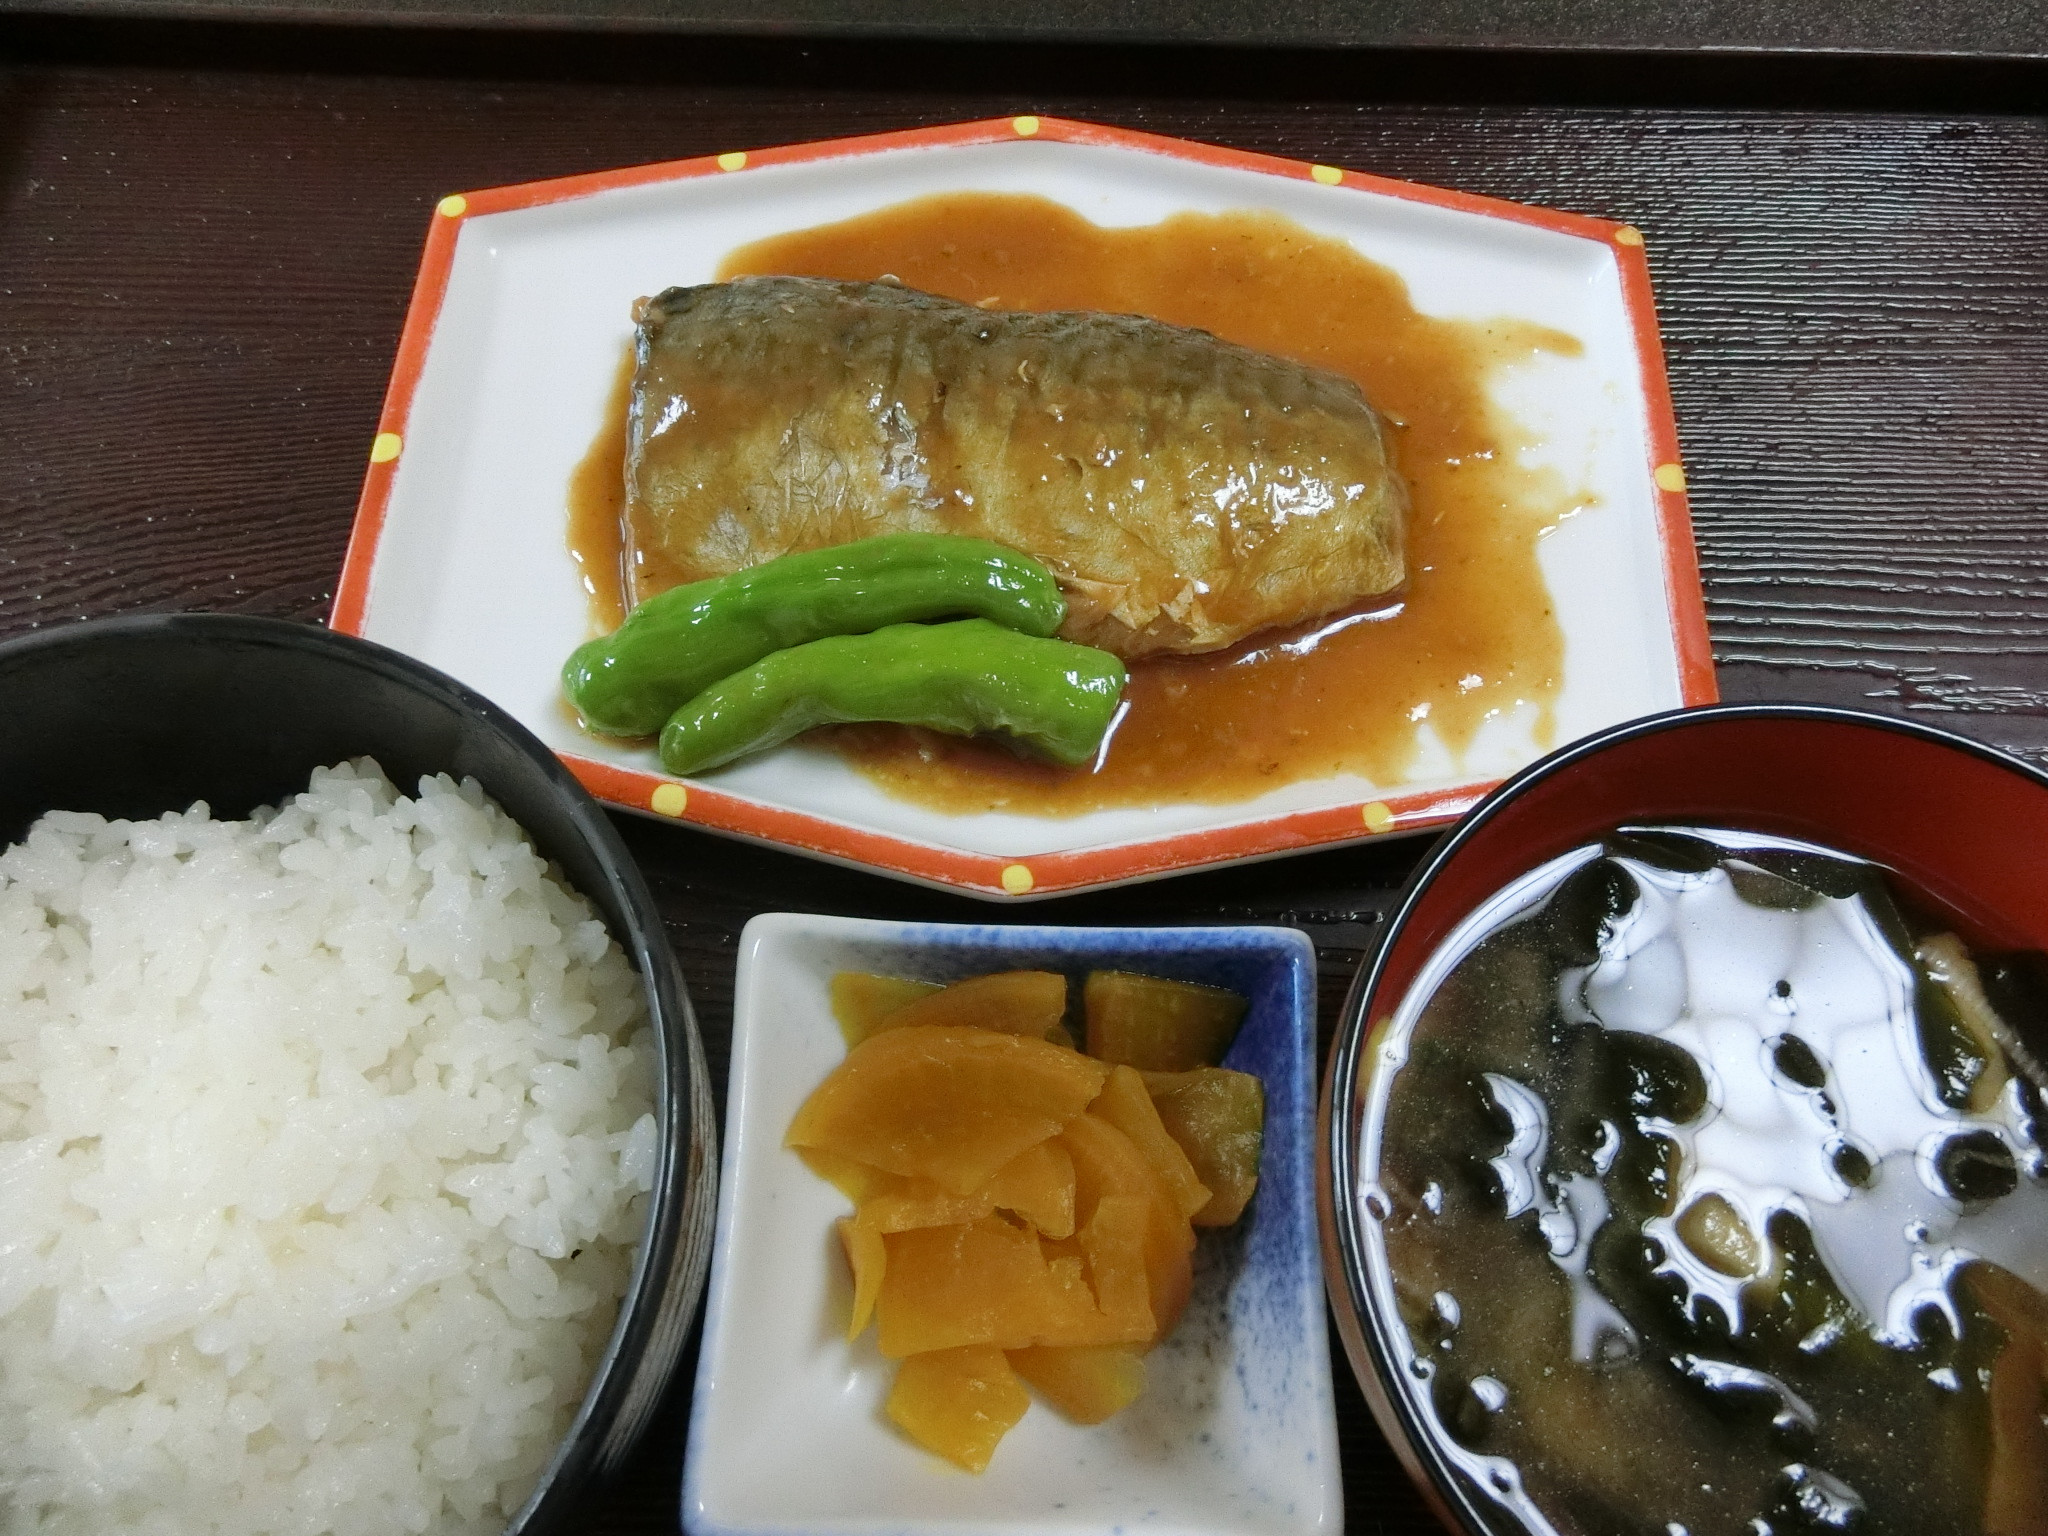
356	1155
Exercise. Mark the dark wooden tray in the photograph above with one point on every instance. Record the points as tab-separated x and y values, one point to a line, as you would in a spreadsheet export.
208	237
2000	29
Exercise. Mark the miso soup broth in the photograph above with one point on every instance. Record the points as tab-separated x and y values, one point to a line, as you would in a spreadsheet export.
1711	1196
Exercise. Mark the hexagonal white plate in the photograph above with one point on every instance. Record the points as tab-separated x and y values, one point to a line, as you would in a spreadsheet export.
520	316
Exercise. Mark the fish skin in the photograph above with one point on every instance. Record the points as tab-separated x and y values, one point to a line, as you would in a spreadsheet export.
1186	491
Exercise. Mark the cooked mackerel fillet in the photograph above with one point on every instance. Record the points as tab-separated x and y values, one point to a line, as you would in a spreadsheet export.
1186	492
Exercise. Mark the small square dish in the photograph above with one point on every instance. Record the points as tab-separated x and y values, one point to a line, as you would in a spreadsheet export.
1236	1430
1526	378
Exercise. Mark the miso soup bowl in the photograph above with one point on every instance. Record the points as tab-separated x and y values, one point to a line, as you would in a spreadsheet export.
134	717
1962	824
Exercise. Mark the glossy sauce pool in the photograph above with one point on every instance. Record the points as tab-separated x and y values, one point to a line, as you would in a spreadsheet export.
1470	638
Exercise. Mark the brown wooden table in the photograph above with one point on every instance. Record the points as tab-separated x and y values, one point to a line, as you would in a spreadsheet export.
208	235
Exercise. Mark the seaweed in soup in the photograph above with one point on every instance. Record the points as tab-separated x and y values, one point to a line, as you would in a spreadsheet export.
1715	1203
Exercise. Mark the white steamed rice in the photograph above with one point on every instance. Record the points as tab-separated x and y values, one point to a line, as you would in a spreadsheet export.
324	1144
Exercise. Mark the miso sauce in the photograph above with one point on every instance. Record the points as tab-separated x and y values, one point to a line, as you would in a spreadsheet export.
1471	638
597	505
1715	1201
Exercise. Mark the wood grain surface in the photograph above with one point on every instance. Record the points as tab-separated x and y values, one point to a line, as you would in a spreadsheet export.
1984	27
204	266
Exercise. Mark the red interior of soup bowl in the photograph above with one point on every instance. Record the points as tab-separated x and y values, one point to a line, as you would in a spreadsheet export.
1965	826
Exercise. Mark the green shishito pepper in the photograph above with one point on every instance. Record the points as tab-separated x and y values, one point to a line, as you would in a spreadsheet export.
680	642
962	678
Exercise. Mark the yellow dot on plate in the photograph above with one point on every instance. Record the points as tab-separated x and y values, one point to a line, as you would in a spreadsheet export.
1670	477
1378	816
1328	175
1628	234
384	447
1025	126
670	800
1017	879
453	206
733	160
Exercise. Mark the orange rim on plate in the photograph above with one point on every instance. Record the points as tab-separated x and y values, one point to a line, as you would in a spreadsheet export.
1042	874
